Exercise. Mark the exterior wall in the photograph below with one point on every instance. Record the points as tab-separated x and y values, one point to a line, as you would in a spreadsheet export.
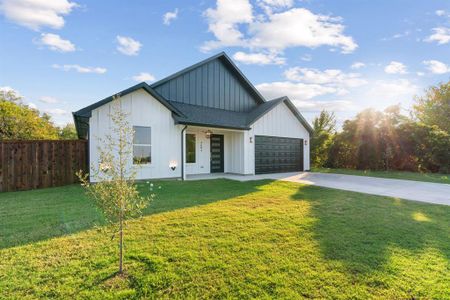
234	152
143	110
280	121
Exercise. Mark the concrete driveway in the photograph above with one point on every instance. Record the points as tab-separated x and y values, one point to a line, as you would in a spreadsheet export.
436	193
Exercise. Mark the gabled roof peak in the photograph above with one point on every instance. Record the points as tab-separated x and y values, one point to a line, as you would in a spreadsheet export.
86	111
228	61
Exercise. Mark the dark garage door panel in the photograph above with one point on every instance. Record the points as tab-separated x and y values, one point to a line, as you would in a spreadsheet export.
278	154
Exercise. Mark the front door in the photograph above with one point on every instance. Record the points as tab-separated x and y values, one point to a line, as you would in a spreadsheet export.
216	153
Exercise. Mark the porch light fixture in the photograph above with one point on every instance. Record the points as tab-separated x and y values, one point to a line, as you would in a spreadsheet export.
306	142
208	133
173	165
251	139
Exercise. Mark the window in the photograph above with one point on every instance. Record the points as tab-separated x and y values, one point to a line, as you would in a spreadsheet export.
190	148
142	145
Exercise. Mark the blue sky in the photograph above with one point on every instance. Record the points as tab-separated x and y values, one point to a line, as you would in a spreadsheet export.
343	56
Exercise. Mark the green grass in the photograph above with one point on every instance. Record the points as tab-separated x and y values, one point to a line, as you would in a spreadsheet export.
227	239
427	177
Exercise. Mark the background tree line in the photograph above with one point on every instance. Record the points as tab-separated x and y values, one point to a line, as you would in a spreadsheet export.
388	140
18	121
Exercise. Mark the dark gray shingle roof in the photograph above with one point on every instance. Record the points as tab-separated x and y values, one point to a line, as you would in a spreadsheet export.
213	117
207	116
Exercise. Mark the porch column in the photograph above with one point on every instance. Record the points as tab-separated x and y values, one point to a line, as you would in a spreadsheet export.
183	153
249	152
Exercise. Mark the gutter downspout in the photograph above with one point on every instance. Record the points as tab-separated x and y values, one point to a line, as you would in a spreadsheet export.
182	152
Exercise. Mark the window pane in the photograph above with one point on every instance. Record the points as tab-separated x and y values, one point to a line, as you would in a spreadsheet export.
190	148
142	154
142	135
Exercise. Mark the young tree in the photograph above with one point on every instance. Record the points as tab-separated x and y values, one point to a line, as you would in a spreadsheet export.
324	130
116	193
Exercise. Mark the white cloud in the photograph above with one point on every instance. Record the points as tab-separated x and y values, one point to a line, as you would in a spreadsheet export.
8	89
55	111
80	69
397	36
143	76
395	88
395	67
330	105
274	32
56	43
294	90
357	65
32	105
441	35
259	58
302	95
305	84
300	27
224	20
49	100
384	93
128	46
312	90
420	73
436	67
169	16
35	14
440	12
333	77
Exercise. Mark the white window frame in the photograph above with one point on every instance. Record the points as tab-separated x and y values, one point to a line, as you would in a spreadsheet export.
195	148
145	145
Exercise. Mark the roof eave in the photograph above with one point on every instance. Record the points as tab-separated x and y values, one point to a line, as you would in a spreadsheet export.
87	111
78	121
279	100
292	107
299	115
210	125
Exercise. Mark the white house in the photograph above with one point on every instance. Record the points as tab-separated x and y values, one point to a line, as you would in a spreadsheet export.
207	118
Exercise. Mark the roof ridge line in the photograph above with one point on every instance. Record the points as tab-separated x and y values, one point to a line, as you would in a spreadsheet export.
186	69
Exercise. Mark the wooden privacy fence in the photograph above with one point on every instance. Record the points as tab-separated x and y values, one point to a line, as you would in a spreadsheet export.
26	165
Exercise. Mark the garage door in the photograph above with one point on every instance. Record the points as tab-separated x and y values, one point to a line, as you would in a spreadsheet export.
278	154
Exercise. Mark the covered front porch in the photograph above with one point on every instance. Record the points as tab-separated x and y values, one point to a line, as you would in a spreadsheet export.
209	150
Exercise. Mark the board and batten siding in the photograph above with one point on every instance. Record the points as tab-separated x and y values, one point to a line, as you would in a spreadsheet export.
280	122
143	110
211	85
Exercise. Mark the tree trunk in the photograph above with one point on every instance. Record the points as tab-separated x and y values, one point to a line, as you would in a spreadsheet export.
121	247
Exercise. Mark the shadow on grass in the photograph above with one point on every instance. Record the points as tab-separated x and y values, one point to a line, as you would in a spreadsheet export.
357	229
32	216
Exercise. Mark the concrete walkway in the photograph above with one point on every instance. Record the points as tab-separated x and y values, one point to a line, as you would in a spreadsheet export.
436	193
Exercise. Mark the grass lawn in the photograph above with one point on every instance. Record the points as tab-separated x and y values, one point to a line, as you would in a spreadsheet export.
428	177
227	239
